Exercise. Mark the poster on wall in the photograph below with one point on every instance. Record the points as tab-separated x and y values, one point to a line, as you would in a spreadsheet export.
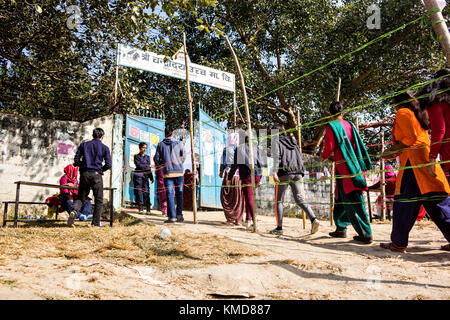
208	153
144	136
65	149
134	149
134	132
154	139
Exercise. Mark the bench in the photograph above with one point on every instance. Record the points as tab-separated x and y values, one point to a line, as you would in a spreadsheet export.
17	202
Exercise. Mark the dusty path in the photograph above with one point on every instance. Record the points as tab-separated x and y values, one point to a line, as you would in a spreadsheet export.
298	265
293	266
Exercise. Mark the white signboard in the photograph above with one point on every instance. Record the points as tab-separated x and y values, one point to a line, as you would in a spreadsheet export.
149	61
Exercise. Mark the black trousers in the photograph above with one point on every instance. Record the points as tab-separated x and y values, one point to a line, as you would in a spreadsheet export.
141	189
91	181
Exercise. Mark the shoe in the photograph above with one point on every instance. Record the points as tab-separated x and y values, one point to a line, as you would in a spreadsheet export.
141	209
446	247
363	239
149	210
393	247
170	221
72	216
338	234
98	225
314	226
180	219
276	231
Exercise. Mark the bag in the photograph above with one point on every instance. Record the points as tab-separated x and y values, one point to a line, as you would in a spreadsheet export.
52	203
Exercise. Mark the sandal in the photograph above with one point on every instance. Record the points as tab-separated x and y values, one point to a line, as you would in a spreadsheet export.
364	240
393	247
446	247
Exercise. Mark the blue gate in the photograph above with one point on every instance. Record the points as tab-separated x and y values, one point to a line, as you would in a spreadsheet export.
140	129
212	141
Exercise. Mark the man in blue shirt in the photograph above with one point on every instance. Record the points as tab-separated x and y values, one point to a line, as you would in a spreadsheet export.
90	157
141	175
170	156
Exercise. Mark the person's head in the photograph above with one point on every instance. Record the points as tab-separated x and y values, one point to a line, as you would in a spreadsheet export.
98	133
441	73
280	128
407	100
429	93
389	171
168	131
142	147
336	109
187	171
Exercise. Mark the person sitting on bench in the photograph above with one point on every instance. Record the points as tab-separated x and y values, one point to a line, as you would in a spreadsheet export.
68	196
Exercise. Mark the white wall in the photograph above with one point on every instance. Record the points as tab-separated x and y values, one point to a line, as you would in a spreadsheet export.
28	152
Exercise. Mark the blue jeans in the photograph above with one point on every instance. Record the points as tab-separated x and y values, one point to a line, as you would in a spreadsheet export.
85	211
176	184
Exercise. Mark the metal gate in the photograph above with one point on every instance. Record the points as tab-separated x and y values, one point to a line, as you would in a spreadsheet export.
212	141
140	129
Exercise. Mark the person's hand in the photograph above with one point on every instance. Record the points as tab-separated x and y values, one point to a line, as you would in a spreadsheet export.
221	175
276	179
152	180
432	168
228	182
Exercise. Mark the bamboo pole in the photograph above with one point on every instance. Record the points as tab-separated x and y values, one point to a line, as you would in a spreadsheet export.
333	166
338	96
249	128
299	134
382	179
191	130
234	110
440	27
116	82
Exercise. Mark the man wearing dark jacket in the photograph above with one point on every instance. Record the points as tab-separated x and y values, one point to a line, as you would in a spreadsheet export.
90	157
288	171
170	156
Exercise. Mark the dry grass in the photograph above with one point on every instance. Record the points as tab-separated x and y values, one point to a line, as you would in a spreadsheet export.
129	242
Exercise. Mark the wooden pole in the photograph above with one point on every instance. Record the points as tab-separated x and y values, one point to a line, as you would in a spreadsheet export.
299	134
338	96
234	110
249	128
440	27
191	129
382	179
116	82
333	166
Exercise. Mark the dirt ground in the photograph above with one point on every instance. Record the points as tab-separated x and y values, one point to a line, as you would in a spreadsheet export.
215	259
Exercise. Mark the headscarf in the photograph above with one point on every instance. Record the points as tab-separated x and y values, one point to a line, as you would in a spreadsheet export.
71	173
391	172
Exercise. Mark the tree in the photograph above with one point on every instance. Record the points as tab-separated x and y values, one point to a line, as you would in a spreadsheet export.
277	41
57	60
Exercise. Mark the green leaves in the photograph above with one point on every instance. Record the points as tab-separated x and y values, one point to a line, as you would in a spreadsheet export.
69	73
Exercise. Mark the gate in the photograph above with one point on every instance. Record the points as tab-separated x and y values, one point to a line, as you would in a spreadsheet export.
212	141
140	129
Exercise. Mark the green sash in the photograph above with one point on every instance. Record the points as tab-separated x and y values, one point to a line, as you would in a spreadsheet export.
357	159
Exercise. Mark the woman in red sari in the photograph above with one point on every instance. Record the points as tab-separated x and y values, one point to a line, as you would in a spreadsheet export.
437	105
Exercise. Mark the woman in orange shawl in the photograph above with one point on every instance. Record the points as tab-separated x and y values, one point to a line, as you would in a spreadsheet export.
415	186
